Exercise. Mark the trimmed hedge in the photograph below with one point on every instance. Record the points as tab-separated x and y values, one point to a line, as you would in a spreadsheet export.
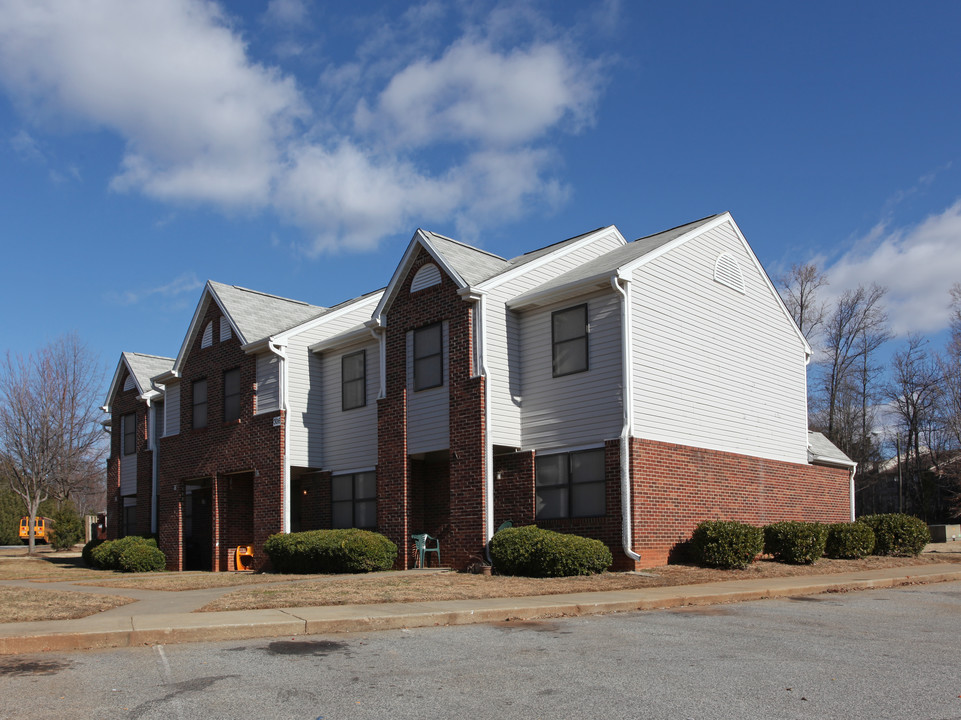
114	555
726	544
531	551
849	541
330	551
795	542
897	534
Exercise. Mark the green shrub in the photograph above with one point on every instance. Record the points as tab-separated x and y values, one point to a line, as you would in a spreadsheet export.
798	543
67	529
106	556
726	543
849	541
141	557
531	551
330	551
897	534
88	549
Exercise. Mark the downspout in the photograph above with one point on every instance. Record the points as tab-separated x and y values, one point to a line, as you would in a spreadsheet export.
481	341
279	351
854	469
380	336
627	383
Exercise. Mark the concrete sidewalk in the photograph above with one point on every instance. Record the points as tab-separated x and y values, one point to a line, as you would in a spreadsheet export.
149	621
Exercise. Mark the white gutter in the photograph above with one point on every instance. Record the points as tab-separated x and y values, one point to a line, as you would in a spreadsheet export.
280	351
152	446
853	470
627	382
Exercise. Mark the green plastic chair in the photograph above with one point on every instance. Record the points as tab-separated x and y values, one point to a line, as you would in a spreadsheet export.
420	543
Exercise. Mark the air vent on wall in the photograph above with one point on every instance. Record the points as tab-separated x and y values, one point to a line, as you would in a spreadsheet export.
728	272
428	275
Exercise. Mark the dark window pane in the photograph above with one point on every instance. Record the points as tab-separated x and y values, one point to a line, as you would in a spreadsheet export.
200	404
551	470
365	486
232	395
160	418
342	514
129	431
427	341
354	380
551	502
428	357
587	500
428	372
569	340
365	513
587	466
340	488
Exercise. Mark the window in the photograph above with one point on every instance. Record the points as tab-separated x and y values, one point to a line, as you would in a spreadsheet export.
129	430
129	518
159	419
353	376
200	404
570	485
232	395
354	500
569	340
428	357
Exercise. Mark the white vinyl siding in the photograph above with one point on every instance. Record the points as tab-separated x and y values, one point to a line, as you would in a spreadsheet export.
172	409
580	408
350	437
715	368
268	382
428	411
314	413
503	337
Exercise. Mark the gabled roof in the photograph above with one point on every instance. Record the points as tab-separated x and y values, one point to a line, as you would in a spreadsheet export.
142	368
600	269
822	451
252	315
472	264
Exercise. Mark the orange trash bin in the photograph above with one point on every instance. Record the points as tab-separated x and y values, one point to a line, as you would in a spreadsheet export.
244	559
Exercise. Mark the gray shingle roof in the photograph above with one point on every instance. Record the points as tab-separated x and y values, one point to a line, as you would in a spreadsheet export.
604	265
822	450
259	315
472	264
145	367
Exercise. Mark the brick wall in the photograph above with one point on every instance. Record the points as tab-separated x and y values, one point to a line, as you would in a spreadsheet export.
396	507
246	511
123	403
674	487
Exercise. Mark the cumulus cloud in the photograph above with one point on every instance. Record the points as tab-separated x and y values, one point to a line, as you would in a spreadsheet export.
205	123
918	265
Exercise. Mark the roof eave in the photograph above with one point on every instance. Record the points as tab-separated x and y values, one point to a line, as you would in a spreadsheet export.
539	298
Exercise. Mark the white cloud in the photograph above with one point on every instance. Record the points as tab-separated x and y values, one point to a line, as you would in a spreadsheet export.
27	147
205	123
917	264
476	93
184	283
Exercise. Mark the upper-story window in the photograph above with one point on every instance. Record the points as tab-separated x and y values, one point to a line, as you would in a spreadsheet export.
570	485
428	357
353	374
232	395
569	340
129	430
199	404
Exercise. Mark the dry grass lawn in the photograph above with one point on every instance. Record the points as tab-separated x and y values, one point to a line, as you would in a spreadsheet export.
404	587
19	604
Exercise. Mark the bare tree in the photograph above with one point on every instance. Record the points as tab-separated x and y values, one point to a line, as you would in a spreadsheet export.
914	390
854	330
50	440
799	290
950	368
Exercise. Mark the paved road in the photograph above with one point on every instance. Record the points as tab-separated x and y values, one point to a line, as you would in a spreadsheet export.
878	654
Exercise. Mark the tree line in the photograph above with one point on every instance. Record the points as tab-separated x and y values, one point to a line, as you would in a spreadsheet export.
869	405
52	443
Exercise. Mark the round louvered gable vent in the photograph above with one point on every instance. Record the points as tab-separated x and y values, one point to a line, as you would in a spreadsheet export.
428	275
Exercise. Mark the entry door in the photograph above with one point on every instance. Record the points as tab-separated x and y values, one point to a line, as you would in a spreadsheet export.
198	527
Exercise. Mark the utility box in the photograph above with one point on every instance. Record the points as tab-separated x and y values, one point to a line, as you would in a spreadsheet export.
945	533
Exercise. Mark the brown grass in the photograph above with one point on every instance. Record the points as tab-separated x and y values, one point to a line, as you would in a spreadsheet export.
404	587
176	582
19	604
46	568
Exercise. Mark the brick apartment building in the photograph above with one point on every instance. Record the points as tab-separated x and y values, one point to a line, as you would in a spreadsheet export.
618	390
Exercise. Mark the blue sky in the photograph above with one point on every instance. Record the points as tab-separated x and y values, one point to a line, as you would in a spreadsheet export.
294	147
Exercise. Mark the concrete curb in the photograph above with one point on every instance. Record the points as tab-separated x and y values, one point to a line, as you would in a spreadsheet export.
118	632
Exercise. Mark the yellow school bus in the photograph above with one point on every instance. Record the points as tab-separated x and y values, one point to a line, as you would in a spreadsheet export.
42	529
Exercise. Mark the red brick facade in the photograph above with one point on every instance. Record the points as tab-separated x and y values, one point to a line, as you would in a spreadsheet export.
240	461
125	402
408	501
